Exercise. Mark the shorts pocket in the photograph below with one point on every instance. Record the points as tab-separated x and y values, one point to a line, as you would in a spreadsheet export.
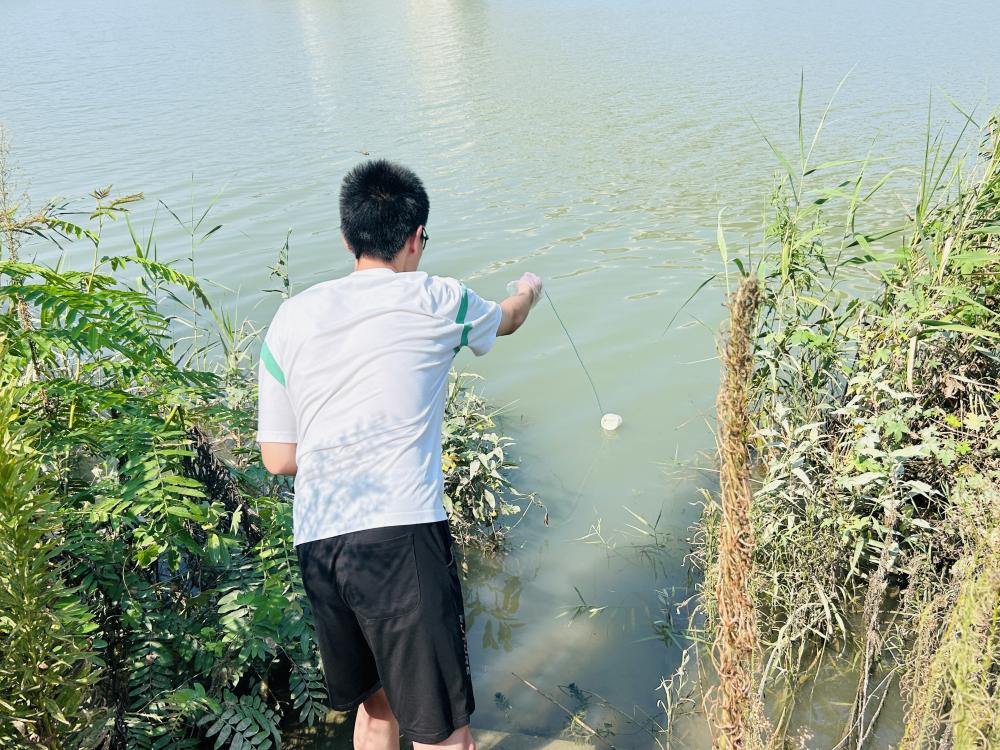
380	578
443	544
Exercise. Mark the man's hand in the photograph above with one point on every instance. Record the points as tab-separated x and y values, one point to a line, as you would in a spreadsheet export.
517	306
279	458
529	282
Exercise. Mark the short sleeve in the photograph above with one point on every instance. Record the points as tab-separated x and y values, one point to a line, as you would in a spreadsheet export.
275	417
482	320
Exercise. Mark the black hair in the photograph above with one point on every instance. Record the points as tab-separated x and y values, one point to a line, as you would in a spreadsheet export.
381	205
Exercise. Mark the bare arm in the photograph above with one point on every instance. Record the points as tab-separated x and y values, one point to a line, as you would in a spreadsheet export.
279	458
515	311
517	306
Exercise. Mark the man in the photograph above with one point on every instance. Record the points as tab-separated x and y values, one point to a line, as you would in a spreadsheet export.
353	381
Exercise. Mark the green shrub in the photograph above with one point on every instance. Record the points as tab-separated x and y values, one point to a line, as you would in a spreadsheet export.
47	663
478	493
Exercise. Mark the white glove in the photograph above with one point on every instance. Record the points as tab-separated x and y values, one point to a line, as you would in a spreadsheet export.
528	282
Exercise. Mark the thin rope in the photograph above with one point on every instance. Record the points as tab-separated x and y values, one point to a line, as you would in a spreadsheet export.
575	351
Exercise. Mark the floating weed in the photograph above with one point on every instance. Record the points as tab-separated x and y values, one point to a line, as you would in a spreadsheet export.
645	543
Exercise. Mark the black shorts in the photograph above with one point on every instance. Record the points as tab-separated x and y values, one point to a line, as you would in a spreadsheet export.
388	609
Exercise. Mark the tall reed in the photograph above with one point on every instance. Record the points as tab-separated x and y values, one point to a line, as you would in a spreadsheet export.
951	688
875	401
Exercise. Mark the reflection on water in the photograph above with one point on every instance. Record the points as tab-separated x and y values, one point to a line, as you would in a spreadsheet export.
493	597
592	143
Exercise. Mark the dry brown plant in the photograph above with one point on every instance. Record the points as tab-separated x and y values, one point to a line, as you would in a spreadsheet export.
737	718
9	223
861	721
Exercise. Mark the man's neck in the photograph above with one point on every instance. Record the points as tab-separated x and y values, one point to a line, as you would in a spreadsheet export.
365	263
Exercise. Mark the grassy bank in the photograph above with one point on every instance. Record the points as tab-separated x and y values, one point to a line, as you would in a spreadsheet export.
149	591
874	404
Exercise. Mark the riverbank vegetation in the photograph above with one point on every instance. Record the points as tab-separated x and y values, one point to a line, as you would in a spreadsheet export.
149	591
874	403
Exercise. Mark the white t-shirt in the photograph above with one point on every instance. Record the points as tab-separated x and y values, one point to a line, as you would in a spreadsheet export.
355	372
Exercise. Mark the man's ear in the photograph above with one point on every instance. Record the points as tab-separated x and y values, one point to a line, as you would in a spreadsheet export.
413	245
346	246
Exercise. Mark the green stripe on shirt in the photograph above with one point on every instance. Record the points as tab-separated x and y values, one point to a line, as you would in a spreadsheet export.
463	309
271	364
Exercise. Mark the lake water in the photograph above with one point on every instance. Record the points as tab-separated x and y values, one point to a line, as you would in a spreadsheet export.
592	143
